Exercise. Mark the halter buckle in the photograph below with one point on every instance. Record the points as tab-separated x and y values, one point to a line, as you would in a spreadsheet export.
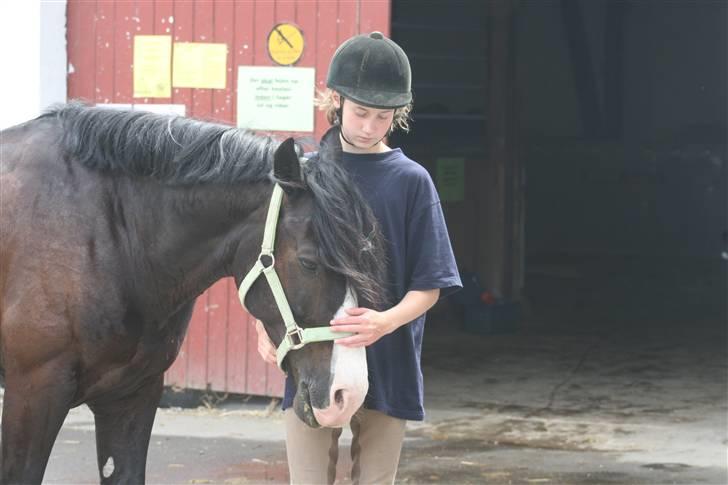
267	254
295	338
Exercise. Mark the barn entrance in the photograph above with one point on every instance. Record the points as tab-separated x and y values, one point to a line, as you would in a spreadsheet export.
621	139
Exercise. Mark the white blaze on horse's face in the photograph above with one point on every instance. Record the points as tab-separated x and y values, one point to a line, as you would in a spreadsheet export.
349	379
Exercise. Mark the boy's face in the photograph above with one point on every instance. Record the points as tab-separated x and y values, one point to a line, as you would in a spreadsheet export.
364	127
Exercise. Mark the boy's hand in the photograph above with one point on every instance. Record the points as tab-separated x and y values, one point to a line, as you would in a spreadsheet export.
266	349
368	325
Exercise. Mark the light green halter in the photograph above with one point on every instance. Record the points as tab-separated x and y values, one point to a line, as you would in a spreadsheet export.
295	337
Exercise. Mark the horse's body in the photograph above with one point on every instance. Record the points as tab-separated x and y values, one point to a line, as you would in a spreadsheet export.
111	224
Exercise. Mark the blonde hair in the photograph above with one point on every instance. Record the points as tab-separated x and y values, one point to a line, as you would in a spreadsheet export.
325	102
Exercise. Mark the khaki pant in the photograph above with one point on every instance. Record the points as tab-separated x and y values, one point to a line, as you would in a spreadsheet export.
375	448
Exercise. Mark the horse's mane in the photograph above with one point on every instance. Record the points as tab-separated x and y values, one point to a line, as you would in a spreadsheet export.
172	149
182	151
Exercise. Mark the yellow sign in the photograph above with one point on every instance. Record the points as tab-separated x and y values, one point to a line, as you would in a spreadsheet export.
285	44
199	65
152	62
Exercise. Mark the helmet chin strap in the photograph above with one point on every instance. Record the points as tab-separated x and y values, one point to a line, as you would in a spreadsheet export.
340	114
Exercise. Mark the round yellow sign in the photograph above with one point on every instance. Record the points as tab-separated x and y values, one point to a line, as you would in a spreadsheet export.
285	44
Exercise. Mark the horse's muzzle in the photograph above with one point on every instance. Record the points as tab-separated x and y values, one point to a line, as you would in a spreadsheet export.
343	406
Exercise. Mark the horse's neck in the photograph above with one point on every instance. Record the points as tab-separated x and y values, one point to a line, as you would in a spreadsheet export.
192	234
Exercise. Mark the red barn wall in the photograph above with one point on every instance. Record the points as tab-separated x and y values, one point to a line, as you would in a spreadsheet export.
219	352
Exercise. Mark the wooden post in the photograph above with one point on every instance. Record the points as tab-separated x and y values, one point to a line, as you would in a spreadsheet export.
499	233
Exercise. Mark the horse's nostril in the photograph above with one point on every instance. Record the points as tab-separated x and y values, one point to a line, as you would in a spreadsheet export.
339	398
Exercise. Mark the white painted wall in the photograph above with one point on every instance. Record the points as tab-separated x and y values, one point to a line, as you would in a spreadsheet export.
32	58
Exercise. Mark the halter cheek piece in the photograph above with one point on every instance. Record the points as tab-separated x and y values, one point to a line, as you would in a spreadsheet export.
295	337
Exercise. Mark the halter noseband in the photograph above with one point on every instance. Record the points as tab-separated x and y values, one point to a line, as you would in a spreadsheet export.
295	337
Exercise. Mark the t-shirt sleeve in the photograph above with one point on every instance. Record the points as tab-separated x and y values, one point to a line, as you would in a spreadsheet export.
430	260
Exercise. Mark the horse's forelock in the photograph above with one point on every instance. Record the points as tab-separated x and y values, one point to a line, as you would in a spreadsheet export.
347	232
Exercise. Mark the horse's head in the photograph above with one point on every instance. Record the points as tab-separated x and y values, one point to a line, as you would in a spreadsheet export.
327	251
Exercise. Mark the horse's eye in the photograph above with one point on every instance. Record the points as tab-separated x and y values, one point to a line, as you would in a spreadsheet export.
308	264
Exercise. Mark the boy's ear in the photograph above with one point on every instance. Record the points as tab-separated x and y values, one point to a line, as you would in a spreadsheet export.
286	166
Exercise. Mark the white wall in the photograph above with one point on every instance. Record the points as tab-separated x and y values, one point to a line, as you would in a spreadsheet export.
32	58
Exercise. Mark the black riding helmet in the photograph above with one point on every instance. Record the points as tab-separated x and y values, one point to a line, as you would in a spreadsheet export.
372	71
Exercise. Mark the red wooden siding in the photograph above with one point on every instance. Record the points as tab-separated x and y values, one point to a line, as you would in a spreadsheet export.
219	352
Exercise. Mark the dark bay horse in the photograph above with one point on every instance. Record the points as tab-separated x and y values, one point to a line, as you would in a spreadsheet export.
113	222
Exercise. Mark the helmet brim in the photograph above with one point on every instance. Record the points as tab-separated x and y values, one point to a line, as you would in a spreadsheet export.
374	99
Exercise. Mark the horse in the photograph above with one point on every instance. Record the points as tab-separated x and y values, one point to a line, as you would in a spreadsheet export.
113	222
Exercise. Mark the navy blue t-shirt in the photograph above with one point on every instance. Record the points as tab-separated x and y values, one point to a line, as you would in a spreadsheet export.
405	202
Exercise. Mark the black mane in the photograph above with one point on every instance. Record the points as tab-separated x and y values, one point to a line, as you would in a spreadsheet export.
172	149
182	151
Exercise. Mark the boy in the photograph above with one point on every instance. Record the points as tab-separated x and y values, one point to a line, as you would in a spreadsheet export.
369	95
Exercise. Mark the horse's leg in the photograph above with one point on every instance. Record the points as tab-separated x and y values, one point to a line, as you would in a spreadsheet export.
35	404
123	428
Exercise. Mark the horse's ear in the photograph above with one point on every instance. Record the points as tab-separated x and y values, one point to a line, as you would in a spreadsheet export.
286	166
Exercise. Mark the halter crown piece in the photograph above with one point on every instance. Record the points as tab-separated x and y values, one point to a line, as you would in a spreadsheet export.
295	337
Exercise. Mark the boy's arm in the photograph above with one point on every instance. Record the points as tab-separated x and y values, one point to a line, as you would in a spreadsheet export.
371	325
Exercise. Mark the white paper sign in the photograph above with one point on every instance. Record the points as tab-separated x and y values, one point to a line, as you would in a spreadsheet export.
164	109
276	98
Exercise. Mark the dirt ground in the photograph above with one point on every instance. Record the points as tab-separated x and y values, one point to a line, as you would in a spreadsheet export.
540	408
